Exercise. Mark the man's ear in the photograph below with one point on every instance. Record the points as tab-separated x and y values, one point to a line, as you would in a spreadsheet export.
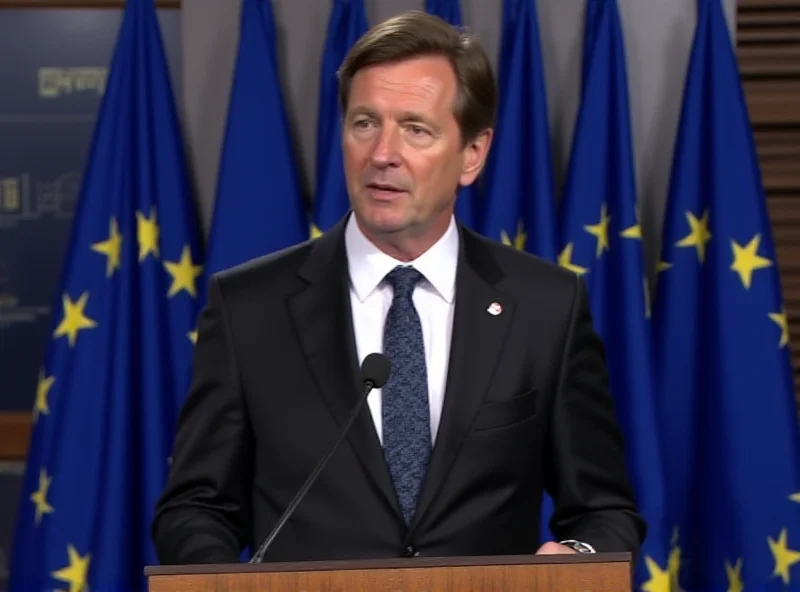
475	154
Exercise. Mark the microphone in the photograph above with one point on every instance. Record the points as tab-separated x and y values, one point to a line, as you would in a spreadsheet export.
374	373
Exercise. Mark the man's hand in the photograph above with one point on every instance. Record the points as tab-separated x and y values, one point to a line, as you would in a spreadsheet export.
553	548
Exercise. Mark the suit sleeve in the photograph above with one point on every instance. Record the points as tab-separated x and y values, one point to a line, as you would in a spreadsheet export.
203	515
587	476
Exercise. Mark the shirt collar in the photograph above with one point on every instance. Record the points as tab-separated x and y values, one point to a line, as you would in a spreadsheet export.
369	265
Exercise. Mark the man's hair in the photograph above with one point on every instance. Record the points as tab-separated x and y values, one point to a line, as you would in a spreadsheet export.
414	34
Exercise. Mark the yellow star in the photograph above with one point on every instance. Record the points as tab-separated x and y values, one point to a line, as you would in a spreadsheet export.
795	497
77	570
782	321
698	236
784	557
674	562
634	232
746	260
315	231
600	230
183	273
147	232
735	583
42	390
39	497
111	248
565	261
663	266
192	335
74	319
519	239
659	578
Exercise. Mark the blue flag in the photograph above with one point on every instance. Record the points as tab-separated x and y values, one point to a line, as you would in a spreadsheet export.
602	241
728	401
519	197
119	357
259	205
348	21
467	200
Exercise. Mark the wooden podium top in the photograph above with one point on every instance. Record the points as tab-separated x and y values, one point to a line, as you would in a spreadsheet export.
600	572
389	563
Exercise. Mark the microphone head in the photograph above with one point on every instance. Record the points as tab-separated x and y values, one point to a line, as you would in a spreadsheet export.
375	369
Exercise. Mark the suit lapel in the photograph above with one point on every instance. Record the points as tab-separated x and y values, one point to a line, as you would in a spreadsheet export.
476	346
323	319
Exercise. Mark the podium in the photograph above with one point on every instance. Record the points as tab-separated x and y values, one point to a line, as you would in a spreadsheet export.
601	572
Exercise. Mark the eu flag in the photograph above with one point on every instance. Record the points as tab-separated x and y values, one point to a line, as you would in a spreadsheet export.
519	196
727	402
259	206
467	199
119	356
602	241
348	21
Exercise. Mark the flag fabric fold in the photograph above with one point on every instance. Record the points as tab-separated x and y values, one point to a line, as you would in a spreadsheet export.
727	398
518	204
601	240
348	21
119	357
259	205
519	198
467	199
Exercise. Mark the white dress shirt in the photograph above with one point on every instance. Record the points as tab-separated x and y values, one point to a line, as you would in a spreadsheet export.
434	299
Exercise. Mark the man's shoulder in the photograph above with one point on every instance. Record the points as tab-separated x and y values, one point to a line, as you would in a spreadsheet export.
526	269
274	270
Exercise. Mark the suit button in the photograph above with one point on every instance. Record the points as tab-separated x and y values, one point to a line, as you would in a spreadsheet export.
409	551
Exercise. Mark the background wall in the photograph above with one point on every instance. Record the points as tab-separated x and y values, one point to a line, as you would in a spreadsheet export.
768	34
658	37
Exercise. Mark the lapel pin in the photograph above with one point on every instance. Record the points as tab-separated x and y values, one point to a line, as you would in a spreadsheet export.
495	308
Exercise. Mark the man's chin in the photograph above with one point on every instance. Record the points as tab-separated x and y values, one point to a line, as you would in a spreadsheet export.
383	226
382	220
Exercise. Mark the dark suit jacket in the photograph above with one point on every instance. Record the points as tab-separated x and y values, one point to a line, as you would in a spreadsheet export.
276	375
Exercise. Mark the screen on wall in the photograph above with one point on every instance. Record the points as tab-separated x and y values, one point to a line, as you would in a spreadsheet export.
53	68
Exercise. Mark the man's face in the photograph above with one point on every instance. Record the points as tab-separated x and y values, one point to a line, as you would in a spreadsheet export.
402	147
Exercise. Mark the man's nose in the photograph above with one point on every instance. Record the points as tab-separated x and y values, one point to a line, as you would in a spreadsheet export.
386	150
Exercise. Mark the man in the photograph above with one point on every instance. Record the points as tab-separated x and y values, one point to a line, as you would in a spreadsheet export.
497	390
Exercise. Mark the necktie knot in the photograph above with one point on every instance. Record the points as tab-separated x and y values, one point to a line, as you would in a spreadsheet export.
403	280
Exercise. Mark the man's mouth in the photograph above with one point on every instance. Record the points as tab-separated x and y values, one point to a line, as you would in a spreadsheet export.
385	187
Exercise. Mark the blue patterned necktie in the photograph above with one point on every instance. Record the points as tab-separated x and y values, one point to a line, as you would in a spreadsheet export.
406	418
